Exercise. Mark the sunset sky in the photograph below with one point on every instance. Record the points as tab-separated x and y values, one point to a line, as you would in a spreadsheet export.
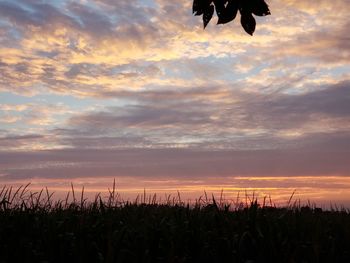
92	90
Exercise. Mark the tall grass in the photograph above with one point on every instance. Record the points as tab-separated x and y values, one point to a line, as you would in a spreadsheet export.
35	227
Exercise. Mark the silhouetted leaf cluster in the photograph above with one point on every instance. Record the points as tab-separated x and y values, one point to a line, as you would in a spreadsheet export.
227	10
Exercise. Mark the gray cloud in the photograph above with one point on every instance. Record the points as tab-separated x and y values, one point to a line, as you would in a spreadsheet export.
16	141
282	111
144	116
36	14
133	21
92	20
326	44
184	163
193	108
102	142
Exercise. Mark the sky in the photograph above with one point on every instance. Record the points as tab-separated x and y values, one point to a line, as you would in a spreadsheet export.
92	90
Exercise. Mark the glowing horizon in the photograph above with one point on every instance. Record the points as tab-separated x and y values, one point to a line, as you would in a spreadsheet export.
315	190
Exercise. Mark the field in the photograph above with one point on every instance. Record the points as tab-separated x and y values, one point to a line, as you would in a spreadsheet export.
35	228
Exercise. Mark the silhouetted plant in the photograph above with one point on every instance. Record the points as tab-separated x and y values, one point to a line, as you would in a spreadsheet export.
227	10
36	227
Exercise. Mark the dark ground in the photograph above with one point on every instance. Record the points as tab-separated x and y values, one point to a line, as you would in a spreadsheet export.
151	233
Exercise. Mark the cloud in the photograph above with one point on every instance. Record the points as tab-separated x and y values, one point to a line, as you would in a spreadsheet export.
177	163
333	42
78	48
34	114
47	35
144	116
283	111
30	15
19	141
223	113
203	118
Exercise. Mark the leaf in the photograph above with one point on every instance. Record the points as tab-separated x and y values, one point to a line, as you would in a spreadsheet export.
207	15
226	11
248	22
199	6
260	8
219	6
257	7
229	13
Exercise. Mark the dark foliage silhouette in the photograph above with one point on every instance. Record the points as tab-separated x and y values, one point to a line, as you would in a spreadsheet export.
227	10
36	228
